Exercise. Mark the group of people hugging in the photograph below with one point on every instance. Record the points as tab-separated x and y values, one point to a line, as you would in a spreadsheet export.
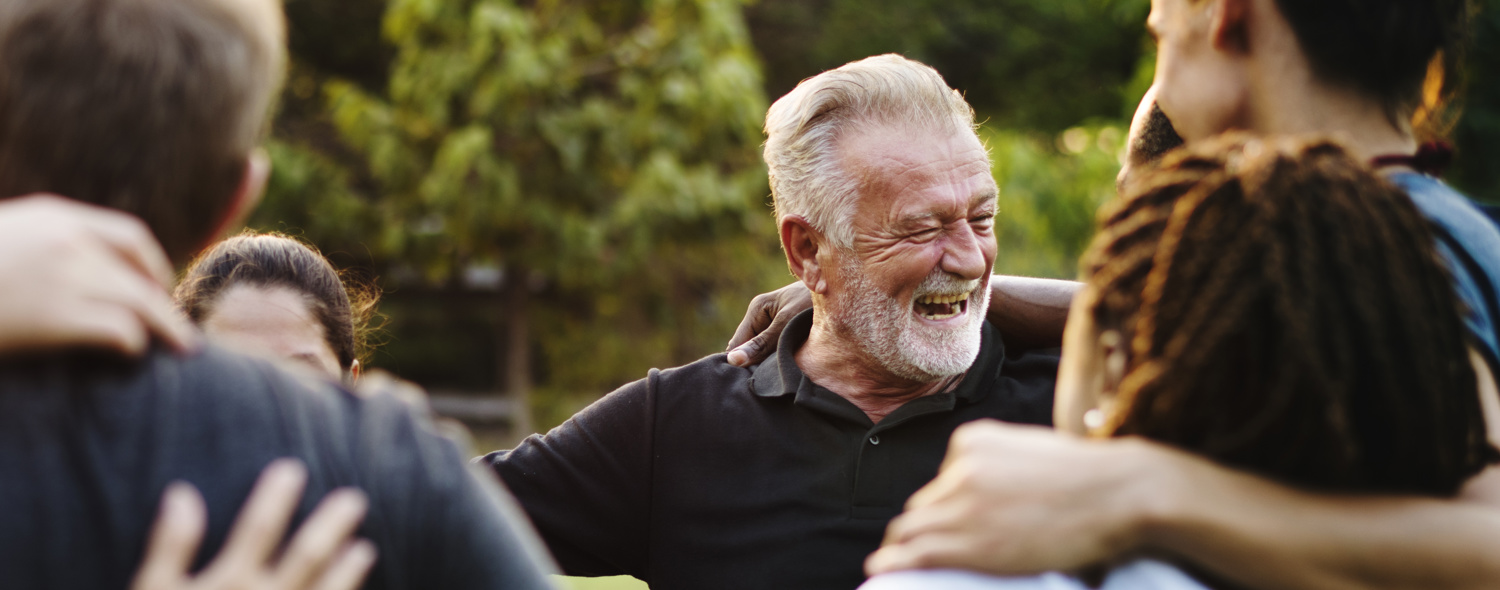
1276	370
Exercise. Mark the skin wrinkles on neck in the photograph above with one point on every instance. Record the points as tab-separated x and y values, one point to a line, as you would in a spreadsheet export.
840	367
940	183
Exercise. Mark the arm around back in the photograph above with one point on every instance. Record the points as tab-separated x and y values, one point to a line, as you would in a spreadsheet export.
1030	313
1012	500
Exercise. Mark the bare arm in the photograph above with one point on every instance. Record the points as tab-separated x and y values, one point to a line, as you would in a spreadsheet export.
1030	312
1268	536
1015	500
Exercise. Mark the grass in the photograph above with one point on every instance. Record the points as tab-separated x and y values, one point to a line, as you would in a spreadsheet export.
610	583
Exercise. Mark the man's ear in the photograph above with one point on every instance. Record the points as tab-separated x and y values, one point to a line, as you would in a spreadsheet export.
354	370
1230	28
802	241
246	196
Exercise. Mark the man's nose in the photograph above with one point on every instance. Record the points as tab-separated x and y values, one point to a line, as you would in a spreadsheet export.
964	255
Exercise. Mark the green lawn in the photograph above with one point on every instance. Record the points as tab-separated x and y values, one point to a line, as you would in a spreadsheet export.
610	583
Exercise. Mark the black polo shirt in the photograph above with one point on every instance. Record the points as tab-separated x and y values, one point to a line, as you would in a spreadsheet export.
716	476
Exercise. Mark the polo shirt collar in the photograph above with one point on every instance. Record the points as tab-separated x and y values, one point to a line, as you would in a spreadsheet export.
780	375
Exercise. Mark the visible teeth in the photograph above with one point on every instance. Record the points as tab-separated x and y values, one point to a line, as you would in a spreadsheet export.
931	299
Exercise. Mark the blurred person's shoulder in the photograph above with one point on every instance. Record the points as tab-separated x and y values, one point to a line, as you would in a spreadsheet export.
210	375
209	395
215	418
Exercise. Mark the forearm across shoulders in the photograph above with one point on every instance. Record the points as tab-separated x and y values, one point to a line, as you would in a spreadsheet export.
1265	535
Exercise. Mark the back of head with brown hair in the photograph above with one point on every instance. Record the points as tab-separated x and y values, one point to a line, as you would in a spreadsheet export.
344	307
1285	310
147	106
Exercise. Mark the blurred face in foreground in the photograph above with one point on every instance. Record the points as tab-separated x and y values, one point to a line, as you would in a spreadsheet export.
273	322
1199	84
913	289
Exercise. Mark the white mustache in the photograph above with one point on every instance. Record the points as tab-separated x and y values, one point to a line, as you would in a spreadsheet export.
940	283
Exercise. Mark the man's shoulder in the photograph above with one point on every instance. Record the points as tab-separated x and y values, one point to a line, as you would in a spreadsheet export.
715	366
707	388
710	375
212	384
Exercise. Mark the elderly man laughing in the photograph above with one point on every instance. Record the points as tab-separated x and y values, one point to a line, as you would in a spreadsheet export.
785	474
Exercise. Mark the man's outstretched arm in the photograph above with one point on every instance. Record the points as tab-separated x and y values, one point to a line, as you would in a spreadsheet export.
586	484
1013	500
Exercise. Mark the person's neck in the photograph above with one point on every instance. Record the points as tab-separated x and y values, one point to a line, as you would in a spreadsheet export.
839	365
1294	102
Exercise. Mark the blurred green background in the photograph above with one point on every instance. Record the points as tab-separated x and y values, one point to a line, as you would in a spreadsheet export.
556	195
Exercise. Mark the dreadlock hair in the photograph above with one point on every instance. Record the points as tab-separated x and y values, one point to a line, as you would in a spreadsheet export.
1283	310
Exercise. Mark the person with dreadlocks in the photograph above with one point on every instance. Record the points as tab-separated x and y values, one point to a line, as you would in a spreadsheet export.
1375	75
1230	314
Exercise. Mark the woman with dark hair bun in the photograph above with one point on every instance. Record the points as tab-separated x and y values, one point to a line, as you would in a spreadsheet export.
274	295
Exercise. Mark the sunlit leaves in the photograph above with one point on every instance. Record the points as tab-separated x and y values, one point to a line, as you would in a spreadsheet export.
601	144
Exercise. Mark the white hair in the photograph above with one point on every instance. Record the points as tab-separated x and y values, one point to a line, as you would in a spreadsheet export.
804	127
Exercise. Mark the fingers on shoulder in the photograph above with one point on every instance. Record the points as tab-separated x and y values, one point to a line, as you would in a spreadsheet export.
174	538
349	568
323	540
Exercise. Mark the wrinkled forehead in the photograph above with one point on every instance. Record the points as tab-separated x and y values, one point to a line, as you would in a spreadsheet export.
893	160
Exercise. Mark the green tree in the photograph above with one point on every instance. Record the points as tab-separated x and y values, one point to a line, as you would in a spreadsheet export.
584	148
1478	133
1051	187
1027	64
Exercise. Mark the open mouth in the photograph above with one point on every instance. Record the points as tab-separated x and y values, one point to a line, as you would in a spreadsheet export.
941	307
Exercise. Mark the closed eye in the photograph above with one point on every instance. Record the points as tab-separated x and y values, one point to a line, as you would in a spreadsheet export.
925	233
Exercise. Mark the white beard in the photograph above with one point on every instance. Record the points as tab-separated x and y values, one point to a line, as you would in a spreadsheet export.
890	331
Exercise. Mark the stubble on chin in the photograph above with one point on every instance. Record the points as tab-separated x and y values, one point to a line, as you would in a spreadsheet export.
888	331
